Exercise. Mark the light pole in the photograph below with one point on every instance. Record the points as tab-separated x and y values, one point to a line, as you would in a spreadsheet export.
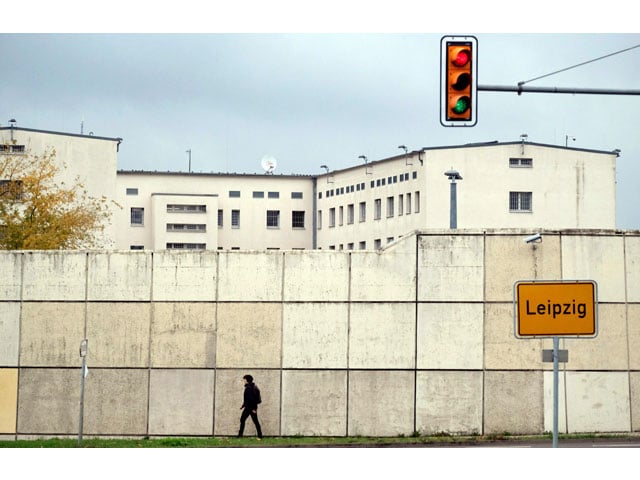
453	175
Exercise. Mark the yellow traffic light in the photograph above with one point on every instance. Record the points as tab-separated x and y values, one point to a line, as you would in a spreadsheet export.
458	81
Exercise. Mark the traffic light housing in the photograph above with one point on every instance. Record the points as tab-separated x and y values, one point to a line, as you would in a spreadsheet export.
458	81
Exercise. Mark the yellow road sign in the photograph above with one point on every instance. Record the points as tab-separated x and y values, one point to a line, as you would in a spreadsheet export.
555	309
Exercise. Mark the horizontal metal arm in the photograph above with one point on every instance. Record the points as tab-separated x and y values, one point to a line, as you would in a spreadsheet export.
519	89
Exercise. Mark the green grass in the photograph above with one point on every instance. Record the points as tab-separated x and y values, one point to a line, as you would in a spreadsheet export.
281	442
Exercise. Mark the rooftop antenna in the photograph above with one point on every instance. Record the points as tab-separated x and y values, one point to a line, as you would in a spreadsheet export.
189	152
268	164
12	123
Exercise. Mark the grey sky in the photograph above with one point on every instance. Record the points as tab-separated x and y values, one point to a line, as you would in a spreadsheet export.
314	99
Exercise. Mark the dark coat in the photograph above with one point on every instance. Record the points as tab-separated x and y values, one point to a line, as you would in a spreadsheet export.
251	396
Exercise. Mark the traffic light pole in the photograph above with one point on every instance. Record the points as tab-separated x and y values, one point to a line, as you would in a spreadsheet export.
520	89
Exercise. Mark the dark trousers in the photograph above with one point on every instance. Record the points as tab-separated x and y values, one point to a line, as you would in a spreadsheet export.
246	412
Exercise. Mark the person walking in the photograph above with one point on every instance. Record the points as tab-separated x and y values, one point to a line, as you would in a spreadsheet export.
251	399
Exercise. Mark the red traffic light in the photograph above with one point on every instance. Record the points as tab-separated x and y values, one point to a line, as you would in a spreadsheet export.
458	81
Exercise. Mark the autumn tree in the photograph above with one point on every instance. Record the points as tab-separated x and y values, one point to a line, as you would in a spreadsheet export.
39	212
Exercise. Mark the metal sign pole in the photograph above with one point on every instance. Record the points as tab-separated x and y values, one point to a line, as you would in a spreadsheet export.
83	355
556	354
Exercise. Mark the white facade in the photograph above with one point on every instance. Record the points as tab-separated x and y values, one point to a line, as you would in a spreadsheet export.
504	185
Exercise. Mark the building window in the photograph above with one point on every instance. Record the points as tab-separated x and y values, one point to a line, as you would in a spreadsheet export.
319	219
340	215
377	209
520	162
390	206
350	246
520	201
220	218
235	218
417	199
350	214
362	245
297	219
137	216
273	218
377	244
389	239
11	189
363	211
415	175
11	148
234	193
132	191
332	217
408	203
274	194
186	246
136	247
186	208
297	195
400	204
186	227
258	194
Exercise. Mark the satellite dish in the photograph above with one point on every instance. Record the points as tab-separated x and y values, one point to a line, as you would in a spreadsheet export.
268	164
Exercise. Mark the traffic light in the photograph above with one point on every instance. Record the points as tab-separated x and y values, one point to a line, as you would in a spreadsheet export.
458	81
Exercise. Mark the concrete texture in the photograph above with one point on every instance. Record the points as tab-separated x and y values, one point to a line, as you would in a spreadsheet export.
250	276
397	284
11	278
249	335
181	402
314	402
118	334
9	333
382	335
183	335
49	400
51	334
436	413
633	329
634	383
66	275
381	403
229	397
118	276
632	257
600	402
315	335
183	276
316	276
8	399
450	336
513	402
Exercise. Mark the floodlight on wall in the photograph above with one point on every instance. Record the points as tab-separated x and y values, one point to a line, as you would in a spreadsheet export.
453	175
366	168
406	157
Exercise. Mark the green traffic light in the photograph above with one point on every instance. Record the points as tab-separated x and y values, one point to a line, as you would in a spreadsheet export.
461	106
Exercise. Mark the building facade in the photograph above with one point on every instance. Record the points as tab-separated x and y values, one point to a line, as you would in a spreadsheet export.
364	207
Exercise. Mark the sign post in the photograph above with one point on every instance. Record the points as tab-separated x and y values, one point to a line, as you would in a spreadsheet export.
564	308
83	355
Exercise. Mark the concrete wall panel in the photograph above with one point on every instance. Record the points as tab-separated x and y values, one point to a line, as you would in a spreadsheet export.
49	400
11	278
124	276
509	259
250	276
513	402
9	333
450	268
502	350
116	402
548	400
633	326
181	402
183	335
436	413
398	284
249	335
315	276
599	258
51	334
598	402
634	380
118	334
314	402
184	276
607	351
450	336
315	335
55	275
229	397
382	335
8	399
381	403
632	257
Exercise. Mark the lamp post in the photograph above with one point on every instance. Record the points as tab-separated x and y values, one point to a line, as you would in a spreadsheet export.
453	175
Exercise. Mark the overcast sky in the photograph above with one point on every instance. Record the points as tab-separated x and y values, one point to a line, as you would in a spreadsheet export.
310	99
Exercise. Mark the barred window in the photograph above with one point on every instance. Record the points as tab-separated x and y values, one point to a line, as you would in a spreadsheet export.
520	201
137	216
273	218
297	219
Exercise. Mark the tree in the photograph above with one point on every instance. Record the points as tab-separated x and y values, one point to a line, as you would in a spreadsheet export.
36	213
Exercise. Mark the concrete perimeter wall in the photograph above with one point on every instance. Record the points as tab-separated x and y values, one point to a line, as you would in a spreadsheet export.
417	337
